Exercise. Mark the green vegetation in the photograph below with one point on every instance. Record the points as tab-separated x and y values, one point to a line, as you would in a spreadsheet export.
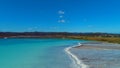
104	37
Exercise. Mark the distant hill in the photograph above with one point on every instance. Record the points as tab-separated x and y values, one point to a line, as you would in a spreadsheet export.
104	37
54	34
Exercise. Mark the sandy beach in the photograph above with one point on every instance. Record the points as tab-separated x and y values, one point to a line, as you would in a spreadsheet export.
98	54
99	45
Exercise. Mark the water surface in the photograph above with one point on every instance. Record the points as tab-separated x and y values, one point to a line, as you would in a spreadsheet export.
35	53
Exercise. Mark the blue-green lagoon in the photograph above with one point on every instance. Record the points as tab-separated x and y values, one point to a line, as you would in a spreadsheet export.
35	53
58	53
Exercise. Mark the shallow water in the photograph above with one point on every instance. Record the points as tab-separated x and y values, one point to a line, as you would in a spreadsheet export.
35	53
50	53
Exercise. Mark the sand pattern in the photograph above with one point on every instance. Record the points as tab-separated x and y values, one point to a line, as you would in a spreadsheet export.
98	54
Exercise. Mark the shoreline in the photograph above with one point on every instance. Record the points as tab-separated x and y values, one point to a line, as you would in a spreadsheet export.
99	45
114	40
77	62
95	54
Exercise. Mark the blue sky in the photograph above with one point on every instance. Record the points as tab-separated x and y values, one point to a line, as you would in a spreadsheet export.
43	15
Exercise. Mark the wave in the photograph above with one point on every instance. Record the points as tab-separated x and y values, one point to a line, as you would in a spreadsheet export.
77	63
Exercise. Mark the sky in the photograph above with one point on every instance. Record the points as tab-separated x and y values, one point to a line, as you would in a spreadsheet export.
60	16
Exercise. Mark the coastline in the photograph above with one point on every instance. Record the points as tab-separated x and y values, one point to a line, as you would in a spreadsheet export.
77	63
98	54
102	37
99	45
79	54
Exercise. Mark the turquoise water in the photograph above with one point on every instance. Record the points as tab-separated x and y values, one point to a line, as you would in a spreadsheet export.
35	53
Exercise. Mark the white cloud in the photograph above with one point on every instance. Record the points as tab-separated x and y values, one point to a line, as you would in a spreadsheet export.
61	12
61	21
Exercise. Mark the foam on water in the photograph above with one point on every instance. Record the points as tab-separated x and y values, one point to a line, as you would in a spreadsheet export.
77	63
38	53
